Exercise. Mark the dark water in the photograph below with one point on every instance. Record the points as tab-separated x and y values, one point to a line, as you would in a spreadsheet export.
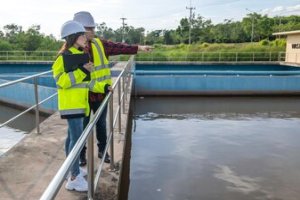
25	123
215	148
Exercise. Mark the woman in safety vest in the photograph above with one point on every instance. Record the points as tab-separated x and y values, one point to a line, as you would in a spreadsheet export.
99	51
71	71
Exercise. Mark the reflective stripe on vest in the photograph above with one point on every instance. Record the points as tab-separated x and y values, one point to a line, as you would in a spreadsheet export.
100	67
93	82
101	56
99	50
71	76
72	79
72	111
57	76
81	85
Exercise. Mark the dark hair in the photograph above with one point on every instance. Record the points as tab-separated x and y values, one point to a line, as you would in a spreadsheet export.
70	41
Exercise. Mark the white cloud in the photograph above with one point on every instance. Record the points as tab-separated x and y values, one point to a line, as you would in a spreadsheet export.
282	10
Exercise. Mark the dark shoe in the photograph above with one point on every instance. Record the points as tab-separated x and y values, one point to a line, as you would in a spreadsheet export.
107	157
82	161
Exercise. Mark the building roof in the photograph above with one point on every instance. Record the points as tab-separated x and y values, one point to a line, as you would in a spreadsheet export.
287	33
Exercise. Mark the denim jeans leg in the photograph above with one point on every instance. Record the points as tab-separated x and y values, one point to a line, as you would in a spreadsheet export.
75	129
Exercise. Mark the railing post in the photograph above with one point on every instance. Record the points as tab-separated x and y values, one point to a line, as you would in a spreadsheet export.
37	116
111	123
90	164
25	57
219	56
236	56
125	89
202	56
7	55
123	93
270	56
253	56
119	96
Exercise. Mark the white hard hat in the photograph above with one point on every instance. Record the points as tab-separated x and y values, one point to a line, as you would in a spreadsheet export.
71	27
85	18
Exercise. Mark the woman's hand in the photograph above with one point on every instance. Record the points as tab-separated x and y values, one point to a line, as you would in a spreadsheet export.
89	66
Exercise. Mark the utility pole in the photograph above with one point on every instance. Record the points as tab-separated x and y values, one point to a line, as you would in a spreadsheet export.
123	28
190	20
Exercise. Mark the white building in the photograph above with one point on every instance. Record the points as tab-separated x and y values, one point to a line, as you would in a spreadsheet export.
292	46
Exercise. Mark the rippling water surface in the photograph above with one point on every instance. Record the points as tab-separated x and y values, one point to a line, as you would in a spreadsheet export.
215	148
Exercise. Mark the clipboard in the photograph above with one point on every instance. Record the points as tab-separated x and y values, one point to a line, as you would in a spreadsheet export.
74	61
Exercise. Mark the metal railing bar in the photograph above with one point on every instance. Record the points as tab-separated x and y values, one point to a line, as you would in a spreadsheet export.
48	98
97	177
23	79
219	56
37	112
115	118
58	179
27	110
122	96
17	116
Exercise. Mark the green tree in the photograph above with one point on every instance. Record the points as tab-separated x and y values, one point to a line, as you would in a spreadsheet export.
183	30
11	32
32	38
103	31
135	35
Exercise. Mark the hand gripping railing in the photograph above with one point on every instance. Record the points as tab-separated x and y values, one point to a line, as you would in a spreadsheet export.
36	97
57	181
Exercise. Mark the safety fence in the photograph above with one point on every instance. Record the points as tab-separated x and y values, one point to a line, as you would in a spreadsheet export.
121	85
37	104
158	56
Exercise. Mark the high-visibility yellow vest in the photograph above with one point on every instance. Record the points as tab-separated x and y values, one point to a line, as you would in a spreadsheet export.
72	90
100	76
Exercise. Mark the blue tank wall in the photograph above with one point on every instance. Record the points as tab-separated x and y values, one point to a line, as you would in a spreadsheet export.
225	79
23	93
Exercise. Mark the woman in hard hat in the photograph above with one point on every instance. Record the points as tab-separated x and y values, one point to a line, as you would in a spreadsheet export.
71	72
101	82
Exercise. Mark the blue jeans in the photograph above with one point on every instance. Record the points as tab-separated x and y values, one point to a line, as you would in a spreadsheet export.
74	132
100	127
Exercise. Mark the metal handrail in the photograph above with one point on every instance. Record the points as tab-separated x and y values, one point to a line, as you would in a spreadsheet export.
37	103
87	134
201	56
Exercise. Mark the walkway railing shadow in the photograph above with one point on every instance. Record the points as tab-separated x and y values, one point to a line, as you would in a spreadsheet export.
121	84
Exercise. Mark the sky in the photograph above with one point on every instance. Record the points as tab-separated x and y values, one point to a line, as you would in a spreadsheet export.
150	14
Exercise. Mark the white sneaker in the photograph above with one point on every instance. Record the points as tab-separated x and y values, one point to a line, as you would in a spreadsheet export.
82	172
78	184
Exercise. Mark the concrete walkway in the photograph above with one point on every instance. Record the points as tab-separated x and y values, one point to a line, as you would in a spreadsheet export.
9	137
28	167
